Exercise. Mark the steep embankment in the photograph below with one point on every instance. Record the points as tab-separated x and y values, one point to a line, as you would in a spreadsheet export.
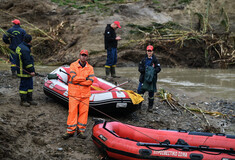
59	32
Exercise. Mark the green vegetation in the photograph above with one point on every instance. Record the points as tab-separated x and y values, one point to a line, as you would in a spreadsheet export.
3	48
185	1
156	2
64	2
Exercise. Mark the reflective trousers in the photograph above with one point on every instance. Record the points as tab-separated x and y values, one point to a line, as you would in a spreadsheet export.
78	114
26	85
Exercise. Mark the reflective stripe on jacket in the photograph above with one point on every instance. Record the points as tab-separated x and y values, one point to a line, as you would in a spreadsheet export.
24	60
16	35
81	79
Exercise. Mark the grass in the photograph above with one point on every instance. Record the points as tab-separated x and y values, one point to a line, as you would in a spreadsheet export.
185	1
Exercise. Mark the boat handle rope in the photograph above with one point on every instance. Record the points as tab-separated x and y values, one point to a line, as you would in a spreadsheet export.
117	120
106	89
201	148
36	73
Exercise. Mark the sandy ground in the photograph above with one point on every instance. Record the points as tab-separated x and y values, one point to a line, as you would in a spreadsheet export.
35	132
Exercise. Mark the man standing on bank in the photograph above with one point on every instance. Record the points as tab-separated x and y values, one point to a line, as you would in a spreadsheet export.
26	71
14	36
111	42
81	79
149	67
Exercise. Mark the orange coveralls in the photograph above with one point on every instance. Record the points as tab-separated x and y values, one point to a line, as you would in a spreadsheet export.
81	78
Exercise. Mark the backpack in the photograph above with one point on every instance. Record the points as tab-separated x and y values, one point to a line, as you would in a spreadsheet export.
149	74
148	84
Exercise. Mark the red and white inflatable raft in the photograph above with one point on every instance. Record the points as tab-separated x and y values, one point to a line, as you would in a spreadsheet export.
104	95
126	142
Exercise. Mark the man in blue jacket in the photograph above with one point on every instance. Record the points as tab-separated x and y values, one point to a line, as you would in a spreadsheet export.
25	71
111	42
14	36
150	61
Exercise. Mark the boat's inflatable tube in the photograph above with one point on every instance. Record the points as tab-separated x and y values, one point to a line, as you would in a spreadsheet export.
122	141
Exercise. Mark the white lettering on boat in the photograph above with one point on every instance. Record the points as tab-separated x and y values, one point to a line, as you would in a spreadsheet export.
171	153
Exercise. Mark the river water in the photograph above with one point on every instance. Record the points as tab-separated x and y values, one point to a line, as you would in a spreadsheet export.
192	82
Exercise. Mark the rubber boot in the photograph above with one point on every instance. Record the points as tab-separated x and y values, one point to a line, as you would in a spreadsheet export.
67	135
140	104
113	73
30	99
23	101
81	135
150	107
107	73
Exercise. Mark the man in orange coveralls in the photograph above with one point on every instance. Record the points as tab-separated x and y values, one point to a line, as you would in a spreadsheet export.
81	79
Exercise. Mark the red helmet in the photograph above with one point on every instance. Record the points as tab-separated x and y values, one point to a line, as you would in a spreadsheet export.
16	21
84	52
149	47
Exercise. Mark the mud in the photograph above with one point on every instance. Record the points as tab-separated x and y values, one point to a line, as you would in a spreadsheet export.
35	132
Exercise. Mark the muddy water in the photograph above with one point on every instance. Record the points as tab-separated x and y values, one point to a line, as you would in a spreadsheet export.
193	82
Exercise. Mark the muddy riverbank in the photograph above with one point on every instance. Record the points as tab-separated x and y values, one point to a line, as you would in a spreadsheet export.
35	132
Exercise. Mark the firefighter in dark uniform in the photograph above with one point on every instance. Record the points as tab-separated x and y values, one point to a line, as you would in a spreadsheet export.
25	71
14	36
111	42
149	60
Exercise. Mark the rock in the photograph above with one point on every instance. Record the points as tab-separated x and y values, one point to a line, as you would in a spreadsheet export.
39	141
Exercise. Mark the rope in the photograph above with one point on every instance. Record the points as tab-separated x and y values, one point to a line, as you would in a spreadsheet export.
116	120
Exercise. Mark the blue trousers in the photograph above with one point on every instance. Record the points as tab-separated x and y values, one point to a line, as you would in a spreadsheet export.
151	94
26	85
13	61
111	57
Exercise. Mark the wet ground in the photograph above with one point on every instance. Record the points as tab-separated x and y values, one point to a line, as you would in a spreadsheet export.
35	132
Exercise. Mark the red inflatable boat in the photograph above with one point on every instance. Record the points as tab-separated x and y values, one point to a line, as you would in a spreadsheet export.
126	142
104	95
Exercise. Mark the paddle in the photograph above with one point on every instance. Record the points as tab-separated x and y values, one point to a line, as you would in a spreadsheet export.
117	85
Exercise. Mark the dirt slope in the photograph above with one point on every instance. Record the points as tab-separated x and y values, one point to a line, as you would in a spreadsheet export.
59	32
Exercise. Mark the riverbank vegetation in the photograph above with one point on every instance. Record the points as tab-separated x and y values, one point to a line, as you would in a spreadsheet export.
179	45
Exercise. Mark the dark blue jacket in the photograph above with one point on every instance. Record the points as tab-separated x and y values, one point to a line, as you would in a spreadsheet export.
110	37
24	60
142	67
14	36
